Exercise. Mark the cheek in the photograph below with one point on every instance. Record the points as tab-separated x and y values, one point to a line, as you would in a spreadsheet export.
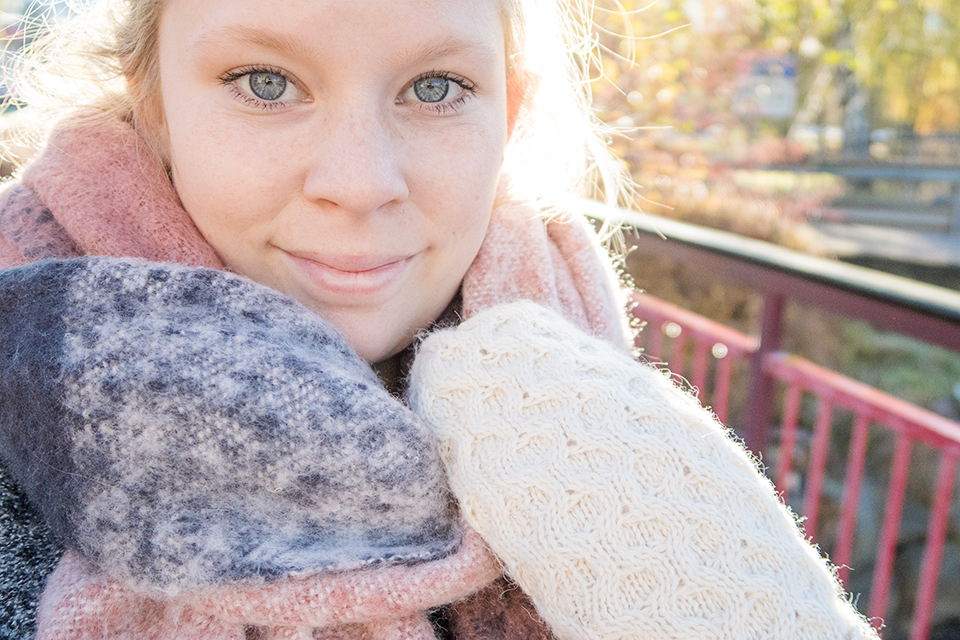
202	138
200	179
221	179
460	174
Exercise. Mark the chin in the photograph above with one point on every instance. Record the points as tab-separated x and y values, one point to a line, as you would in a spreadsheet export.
376	347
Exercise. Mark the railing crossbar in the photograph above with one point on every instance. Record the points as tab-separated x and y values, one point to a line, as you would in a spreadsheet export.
920	424
657	312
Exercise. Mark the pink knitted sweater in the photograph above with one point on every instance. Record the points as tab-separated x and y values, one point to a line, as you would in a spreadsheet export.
98	190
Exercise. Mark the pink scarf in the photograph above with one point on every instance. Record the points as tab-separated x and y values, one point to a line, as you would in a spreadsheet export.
98	190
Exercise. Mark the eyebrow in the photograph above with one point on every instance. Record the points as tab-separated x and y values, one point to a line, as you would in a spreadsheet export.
285	43
450	46
265	38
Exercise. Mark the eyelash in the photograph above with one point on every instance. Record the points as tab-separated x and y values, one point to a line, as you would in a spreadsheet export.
230	79
440	108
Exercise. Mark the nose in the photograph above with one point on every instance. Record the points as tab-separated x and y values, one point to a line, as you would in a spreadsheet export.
358	163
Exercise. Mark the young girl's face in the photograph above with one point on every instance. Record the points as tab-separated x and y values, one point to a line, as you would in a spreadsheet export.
345	152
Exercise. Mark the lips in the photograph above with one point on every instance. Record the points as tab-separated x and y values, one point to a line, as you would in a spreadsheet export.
352	275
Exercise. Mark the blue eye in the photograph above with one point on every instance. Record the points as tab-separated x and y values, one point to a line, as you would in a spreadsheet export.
431	89
438	91
267	86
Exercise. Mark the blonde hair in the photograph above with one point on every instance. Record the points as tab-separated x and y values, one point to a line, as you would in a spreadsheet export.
104	61
559	146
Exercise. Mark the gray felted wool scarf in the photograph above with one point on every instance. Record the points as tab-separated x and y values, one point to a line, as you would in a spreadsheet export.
186	427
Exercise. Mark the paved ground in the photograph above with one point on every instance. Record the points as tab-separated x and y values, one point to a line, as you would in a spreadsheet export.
852	240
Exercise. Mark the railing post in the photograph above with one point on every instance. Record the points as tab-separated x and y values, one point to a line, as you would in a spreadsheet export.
760	401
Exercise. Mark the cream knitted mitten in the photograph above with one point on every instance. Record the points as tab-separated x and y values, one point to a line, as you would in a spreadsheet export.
616	502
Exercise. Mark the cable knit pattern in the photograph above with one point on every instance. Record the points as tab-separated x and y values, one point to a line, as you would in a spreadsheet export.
618	504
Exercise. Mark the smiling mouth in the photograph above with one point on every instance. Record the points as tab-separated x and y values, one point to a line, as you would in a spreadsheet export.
353	275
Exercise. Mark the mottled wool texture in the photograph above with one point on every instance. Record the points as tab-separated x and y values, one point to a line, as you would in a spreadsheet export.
619	505
186	427
32	229
30	553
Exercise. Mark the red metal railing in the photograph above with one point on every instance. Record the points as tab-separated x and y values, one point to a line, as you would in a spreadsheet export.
687	341
779	275
709	341
911	425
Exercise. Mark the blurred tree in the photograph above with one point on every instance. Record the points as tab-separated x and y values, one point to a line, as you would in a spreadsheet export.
908	54
898	60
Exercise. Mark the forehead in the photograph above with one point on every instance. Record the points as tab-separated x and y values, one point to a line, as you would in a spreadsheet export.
363	27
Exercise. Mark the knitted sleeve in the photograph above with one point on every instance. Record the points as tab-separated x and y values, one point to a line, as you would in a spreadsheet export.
616	502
